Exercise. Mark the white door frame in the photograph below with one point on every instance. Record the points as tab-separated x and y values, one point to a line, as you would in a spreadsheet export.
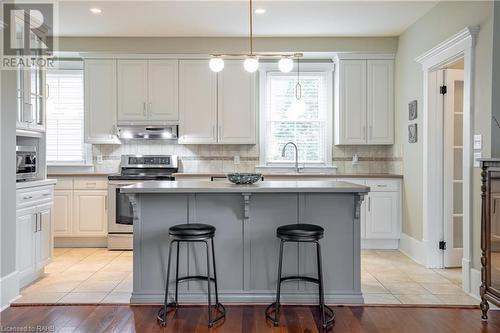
459	45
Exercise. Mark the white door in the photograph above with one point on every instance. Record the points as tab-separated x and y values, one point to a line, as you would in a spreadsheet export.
163	83
453	166
352	99
44	242
63	212
197	103
382	215
100	101
132	90
236	104
90	213
26	225
380	101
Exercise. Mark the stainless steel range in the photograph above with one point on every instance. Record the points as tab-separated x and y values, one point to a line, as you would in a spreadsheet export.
133	169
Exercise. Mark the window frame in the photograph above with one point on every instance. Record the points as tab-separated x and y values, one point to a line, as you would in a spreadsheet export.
73	65
327	69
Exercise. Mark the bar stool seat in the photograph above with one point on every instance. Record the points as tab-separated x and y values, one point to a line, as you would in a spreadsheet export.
192	230
300	232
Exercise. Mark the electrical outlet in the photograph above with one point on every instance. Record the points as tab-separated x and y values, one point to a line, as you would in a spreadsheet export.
477	156
355	159
98	159
236	159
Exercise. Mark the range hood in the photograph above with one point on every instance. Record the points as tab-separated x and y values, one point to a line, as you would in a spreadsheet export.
153	132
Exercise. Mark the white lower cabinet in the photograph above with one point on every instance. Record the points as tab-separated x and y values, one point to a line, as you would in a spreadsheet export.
34	243
382	216
90	213
81	207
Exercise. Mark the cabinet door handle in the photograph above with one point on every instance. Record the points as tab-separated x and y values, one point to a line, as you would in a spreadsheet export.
40	221
381	185
27	197
144	112
495	205
47	90
213	131
106	202
36	222
364	132
369	204
220	132
371	132
150	106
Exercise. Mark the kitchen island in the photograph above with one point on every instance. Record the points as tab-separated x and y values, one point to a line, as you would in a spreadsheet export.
246	247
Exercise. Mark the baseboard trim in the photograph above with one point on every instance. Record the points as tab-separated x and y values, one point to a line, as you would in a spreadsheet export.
81	241
475	283
466	275
251	298
9	289
379	244
413	248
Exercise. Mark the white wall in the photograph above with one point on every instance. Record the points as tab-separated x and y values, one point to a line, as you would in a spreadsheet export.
441	22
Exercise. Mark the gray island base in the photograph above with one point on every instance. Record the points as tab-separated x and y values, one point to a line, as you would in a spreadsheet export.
246	247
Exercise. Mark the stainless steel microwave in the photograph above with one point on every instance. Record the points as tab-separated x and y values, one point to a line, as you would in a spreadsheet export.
26	163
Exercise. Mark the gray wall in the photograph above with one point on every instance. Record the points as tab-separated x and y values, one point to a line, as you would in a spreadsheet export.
441	22
495	130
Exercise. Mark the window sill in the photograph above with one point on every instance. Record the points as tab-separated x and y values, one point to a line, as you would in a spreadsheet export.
69	167
291	169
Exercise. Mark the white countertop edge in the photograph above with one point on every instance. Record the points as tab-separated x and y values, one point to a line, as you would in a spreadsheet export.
35	183
260	187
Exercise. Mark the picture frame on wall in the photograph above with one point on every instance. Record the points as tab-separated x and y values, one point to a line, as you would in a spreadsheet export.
412	133
412	110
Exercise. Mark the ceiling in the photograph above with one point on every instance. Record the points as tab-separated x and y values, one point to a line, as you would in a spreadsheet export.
230	18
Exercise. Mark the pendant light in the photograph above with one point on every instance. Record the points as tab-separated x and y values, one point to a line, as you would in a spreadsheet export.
251	59
299	105
251	63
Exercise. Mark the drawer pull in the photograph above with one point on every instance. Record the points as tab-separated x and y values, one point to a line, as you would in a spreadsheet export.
383	185
46	194
27	197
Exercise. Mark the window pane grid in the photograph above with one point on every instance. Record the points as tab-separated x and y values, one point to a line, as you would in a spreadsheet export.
302	122
65	117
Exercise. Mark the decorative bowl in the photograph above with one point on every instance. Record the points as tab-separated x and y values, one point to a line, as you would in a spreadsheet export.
243	178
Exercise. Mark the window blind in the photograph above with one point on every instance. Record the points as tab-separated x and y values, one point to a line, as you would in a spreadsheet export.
65	122
300	121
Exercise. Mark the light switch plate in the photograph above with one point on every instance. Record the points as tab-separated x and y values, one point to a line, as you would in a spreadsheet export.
478	141
477	156
236	159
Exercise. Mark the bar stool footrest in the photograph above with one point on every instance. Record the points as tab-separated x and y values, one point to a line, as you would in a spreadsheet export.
222	314
329	314
194	278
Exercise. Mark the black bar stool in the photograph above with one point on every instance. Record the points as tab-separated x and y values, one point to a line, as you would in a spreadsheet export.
307	233
192	232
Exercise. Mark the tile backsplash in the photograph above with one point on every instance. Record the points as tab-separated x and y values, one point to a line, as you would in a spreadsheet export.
220	158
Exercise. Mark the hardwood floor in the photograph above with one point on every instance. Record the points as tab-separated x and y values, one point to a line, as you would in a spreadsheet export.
247	319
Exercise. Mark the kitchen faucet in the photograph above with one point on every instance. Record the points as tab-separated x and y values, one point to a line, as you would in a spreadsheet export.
296	154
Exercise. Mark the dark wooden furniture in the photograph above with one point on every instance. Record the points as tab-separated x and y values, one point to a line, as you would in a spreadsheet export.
490	234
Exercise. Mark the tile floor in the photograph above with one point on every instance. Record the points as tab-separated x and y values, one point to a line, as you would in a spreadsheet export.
91	275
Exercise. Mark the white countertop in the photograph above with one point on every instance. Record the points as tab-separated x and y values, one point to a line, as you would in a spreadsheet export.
35	183
259	187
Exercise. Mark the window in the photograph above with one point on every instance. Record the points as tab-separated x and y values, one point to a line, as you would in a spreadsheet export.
306	122
65	122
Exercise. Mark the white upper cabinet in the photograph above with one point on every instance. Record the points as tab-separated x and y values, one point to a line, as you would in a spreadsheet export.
147	91
352	102
216	107
100	101
236	104
197	102
380	101
364	102
163	88
132	90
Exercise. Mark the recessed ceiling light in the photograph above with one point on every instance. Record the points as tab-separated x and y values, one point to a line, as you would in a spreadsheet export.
260	11
96	10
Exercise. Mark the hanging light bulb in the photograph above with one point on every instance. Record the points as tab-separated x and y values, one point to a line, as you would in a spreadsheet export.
251	64
285	65
216	64
298	106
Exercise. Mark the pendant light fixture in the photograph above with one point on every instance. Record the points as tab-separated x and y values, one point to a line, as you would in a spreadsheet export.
251	60
298	107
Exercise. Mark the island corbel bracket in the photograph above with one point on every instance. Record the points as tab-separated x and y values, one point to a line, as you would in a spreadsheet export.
358	200
246	206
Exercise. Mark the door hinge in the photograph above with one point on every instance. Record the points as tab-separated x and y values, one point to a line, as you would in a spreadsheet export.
443	90
442	245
